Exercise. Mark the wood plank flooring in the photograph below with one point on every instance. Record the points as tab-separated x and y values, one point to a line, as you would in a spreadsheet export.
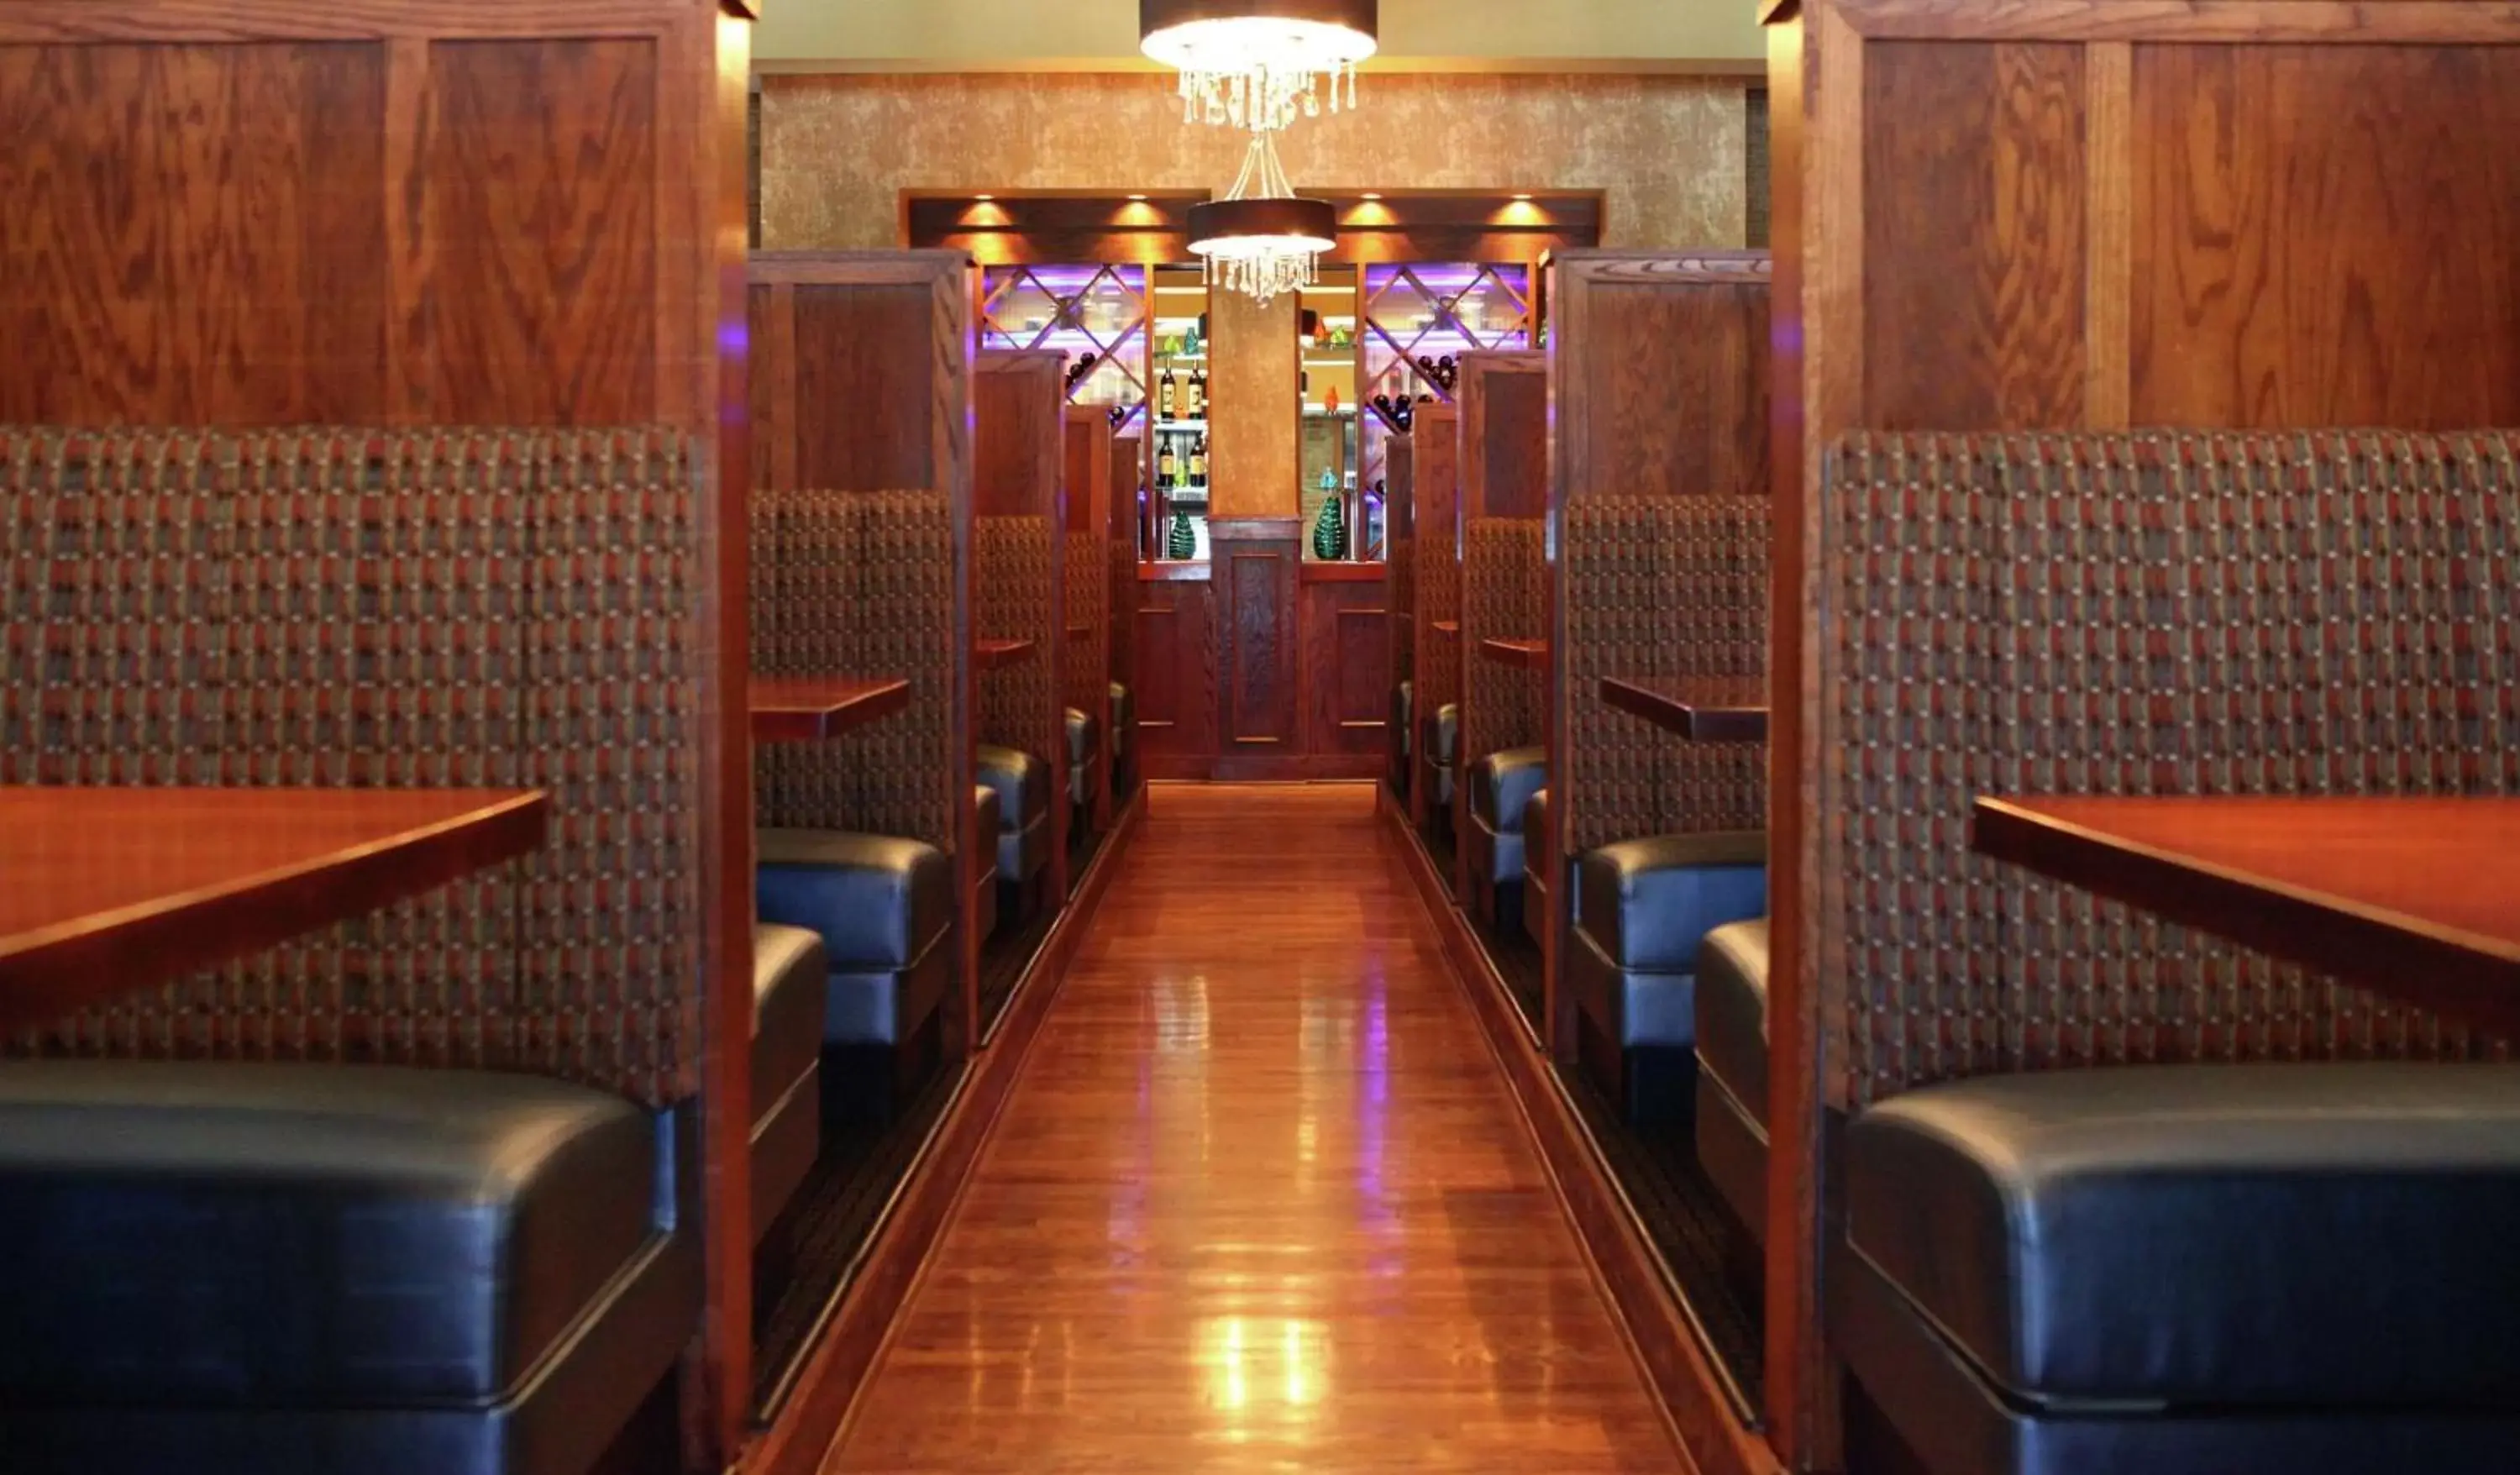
1259	1201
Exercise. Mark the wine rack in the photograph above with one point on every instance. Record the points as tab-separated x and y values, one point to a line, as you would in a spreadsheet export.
1097	316
1420	318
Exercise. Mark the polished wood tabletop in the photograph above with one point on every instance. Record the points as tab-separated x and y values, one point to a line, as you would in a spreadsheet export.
108	891
1531	656
2415	898
996	655
1445	627
1707	709
805	708
1260	1200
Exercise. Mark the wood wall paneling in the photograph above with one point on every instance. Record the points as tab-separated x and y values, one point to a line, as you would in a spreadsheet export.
1671	393
1973	287
1505	450
1345	665
1178	701
860	421
1259	704
2402	307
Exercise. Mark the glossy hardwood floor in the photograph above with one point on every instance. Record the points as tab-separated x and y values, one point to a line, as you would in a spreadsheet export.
1259	1200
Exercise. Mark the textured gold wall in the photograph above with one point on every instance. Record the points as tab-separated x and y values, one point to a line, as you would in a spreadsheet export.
1253	408
838	150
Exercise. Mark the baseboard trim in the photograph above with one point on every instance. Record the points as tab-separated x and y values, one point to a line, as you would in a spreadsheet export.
836	1371
1657	1326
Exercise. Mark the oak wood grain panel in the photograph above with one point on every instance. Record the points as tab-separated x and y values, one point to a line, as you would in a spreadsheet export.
1669	394
2423	23
1973	244
1345	665
191	234
1259	700
1018	457
1177	669
1505	455
860	415
543	185
2326	236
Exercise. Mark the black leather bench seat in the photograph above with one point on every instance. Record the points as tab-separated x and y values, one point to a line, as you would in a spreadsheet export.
1124	717
789	972
985	821
1536	821
882	907
1441	732
1404	715
1022	783
1501	788
1642	910
1084	740
258	1258
1731	1029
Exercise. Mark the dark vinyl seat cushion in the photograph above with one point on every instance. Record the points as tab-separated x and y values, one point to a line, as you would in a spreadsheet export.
1404	719
1022	783
1084	740
1732	1011
985	822
1124	716
1441	732
2299	1238
1534	858
1731	1026
1642	910
789	969
1501	788
272	1236
883	906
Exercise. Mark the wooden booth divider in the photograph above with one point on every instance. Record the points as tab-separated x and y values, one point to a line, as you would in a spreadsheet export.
1119	563
1400	545
1503	461
1018	581
2210	207
389	296
1658	388
1435	497
1085	677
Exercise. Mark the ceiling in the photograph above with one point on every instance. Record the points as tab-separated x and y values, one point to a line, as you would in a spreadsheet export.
1102	36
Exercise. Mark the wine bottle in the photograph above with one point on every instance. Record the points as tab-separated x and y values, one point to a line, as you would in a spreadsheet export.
1168	397
1198	458
1201	395
1168	466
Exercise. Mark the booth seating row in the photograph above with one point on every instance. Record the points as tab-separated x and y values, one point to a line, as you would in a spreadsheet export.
2116	1196
1504	595
418	1194
856	842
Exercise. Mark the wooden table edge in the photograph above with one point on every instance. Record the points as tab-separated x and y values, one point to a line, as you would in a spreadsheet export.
2445	968
887	698
1697	724
351	881
1530	654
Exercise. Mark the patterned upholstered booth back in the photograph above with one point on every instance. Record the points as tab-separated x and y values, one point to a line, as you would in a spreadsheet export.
2159	612
1661	588
1504	595
1401	571
1012	598
416	608
860	584
1087	671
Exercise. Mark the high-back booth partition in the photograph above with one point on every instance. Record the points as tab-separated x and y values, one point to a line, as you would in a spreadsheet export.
1435	492
1085	670
389	490
1120	601
1400	542
2224	236
1018	598
1659	395
1503	437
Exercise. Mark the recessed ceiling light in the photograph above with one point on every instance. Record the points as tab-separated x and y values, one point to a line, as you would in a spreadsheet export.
1138	200
984	198
1370	194
1517	196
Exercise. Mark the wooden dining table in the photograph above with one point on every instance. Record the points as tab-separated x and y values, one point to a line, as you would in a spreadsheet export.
809	708
998	655
105	891
1702	709
2416	899
1530	655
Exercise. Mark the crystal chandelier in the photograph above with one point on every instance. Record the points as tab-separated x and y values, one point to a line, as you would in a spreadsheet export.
1259	64
1261	239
